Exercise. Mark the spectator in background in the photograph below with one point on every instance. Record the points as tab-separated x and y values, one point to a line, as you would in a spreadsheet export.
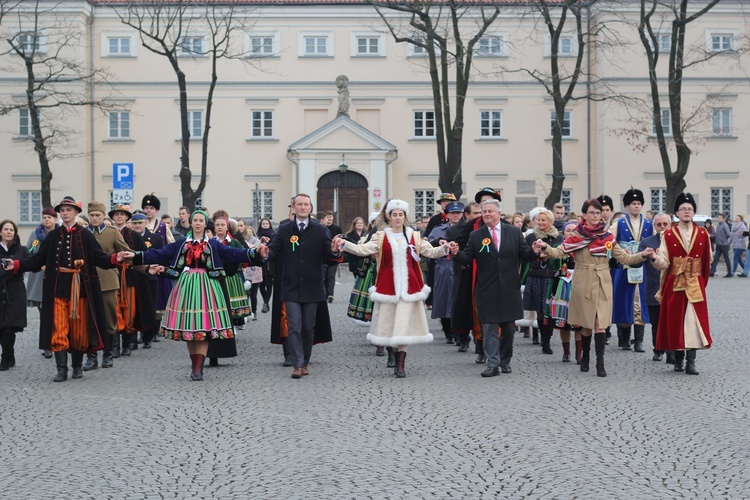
558	209
723	235
183	224
711	230
167	220
649	215
265	234
739	228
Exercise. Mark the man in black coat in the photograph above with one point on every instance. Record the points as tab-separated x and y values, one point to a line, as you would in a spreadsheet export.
302	246
73	318
498	250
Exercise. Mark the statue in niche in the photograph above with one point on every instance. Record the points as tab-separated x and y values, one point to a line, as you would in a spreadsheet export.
342	83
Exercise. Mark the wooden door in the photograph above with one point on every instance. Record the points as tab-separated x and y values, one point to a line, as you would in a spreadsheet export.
352	196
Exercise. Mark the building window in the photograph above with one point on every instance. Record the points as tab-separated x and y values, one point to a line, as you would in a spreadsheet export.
418	50
316	45
721	201
526	187
118	46
262	124
263	204
25	127
195	124
664	40
719	41
490	124
666	123
29	42
29	207
424	203
424	124
567	46
658	200
191	46
722	122
119	125
368	45
492	46
566	198
566	123
262	45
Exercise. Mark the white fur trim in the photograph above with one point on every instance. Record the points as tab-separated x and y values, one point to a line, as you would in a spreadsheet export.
400	275
359	322
396	204
396	341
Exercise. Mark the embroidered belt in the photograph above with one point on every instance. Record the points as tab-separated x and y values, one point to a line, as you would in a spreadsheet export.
75	287
686	271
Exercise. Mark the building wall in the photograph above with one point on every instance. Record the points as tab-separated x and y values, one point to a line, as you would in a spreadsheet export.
385	91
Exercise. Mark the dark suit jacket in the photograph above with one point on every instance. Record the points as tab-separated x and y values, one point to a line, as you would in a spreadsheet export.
498	285
301	274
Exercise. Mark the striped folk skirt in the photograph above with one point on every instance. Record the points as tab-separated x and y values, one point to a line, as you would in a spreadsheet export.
360	305
196	309
239	305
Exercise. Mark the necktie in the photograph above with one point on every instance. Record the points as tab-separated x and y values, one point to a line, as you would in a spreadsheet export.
301	227
495	238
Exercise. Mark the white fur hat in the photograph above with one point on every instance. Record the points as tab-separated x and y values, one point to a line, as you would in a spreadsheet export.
535	211
373	216
396	204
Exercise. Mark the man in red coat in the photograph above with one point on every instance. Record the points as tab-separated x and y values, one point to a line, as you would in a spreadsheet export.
685	254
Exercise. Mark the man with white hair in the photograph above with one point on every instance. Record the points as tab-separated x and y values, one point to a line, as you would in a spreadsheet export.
661	222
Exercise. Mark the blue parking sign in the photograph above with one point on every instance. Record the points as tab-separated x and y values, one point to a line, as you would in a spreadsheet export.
122	176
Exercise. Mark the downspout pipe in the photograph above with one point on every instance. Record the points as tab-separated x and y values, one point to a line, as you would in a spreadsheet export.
92	163
588	100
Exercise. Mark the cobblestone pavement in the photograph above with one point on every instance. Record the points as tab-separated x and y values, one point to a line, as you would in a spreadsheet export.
351	430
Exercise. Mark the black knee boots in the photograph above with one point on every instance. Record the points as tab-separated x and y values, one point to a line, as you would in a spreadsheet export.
600	339
679	359
76	362
546	334
690	368
623	333
638	331
391	357
61	360
400	364
585	352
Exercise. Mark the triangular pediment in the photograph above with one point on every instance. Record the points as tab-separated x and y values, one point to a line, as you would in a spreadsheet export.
342	133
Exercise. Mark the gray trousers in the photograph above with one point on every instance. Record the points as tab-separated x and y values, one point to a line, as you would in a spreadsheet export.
498	349
300	320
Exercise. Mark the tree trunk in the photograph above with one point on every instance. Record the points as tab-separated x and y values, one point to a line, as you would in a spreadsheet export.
39	145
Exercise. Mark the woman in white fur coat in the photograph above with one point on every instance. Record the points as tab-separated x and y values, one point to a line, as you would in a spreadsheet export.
398	316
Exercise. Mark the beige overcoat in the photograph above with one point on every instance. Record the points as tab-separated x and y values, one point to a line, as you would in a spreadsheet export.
111	242
591	294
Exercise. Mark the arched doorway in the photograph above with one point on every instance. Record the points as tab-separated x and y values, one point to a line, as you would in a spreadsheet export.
350	189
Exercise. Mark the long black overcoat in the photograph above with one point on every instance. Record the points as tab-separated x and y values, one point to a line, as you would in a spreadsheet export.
498	283
12	292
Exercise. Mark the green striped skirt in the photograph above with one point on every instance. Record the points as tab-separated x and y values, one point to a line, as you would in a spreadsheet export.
239	306
196	309
360	305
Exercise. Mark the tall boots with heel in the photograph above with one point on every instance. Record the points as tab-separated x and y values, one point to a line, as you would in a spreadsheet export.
600	339
197	360
585	352
76	362
400	364
61	360
391	357
566	352
638	331
546	335
579	349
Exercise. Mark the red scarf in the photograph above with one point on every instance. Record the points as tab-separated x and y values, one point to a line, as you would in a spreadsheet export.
597	239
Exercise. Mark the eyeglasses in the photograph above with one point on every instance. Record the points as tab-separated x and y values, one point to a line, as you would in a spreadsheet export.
686	210
593	213
660	224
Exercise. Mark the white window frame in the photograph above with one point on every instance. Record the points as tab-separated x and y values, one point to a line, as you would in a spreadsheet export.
426	199
275	43
725	122
40	37
106	37
418	51
723	204
120	131
356	36
666	122
733	37
191	118
564	36
29	198
262	125
25	115
423	119
566	198
490	119
502	50
658	199
567	116
304	35
181	52
267	199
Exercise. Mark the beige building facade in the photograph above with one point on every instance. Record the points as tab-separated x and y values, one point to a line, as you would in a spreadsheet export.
280	125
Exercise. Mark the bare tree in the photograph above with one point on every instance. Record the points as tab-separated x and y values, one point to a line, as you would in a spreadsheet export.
649	35
44	46
165	29
440	30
